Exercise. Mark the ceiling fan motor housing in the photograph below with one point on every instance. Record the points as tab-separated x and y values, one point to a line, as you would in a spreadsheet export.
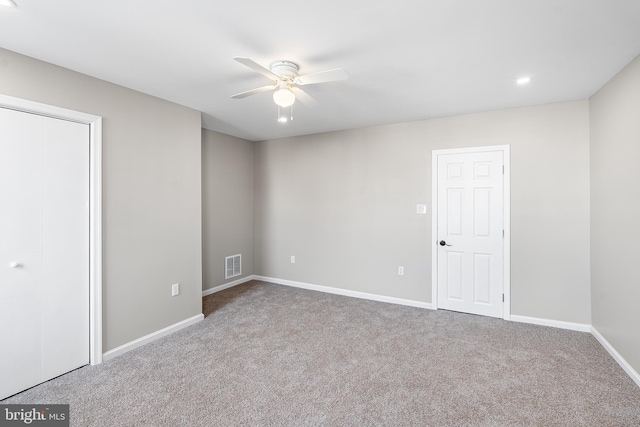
286	69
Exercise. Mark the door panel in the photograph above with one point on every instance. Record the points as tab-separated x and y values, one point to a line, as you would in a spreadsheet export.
454	211
20	289
65	246
44	224
454	275
470	220
481	212
481	278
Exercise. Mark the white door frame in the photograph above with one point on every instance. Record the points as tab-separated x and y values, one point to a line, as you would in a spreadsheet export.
506	265
95	207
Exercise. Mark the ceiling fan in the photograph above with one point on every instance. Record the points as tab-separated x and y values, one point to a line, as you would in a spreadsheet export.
287	81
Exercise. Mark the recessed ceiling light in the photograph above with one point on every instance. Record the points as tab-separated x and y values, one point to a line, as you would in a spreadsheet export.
523	81
7	3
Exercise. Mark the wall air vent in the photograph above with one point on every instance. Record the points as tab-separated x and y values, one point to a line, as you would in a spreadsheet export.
232	266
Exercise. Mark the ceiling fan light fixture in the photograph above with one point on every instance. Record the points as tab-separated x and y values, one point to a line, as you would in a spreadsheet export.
284	97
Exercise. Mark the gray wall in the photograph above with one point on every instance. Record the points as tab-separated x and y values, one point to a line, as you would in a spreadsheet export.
227	205
615	211
151	194
344	204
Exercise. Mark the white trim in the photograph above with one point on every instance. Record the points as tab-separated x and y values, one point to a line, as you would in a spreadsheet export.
345	292
95	207
506	263
95	242
580	327
227	285
152	337
434	230
506	224
19	104
616	356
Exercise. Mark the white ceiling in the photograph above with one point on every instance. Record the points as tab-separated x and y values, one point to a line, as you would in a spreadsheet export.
407	59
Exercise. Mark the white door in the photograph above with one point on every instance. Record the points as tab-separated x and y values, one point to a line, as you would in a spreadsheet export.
470	237
44	249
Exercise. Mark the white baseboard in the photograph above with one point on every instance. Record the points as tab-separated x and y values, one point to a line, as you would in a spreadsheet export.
616	356
227	285
345	292
580	327
151	337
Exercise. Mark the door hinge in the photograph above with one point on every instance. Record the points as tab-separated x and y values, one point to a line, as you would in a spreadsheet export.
503	234
502	170
502	297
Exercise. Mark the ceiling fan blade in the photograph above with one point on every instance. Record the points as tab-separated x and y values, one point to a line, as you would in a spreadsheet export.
256	67
306	99
253	92
322	77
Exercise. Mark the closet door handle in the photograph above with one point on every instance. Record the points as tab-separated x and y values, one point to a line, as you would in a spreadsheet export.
443	243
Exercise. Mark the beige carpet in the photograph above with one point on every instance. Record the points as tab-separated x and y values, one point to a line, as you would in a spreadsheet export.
269	355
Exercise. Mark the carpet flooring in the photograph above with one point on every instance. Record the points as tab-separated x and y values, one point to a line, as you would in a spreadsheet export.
271	355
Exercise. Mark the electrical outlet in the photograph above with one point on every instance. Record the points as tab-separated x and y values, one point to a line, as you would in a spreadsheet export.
293	259
421	209
175	289
400	271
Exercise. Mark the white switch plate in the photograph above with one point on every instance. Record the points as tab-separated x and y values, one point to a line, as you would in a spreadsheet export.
293	259
400	271
175	289
421	209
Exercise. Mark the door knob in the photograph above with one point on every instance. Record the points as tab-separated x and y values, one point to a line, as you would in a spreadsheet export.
15	264
443	243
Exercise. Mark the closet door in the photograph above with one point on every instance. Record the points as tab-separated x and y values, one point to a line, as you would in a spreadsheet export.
44	249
